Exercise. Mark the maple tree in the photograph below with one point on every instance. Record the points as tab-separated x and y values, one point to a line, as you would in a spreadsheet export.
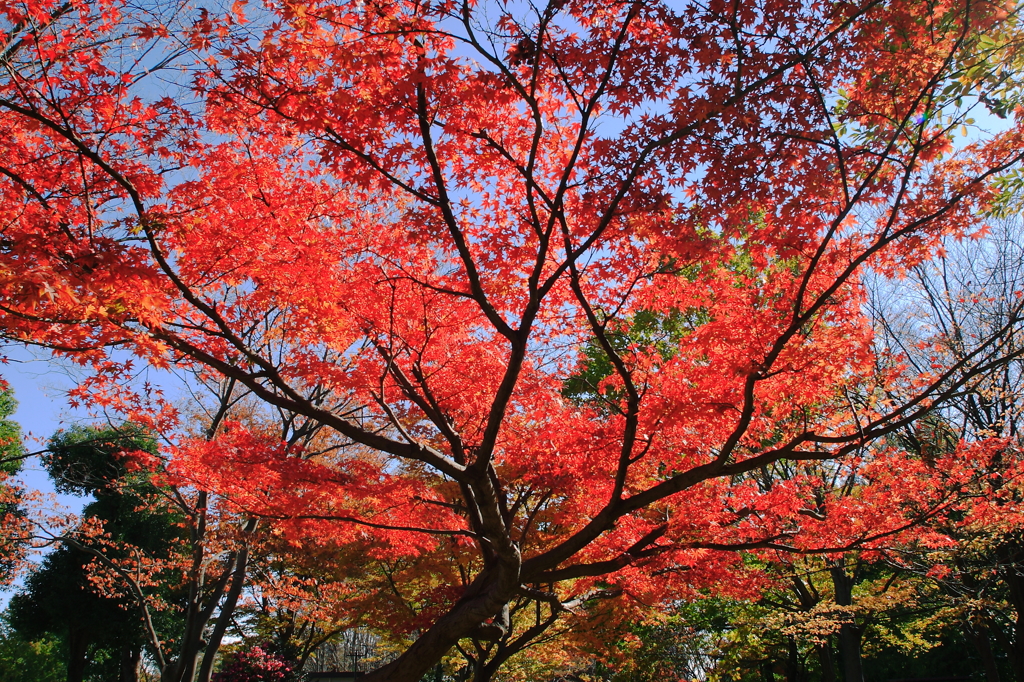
411	224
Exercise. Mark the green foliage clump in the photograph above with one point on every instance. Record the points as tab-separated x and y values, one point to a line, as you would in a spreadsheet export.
24	660
11	447
12	452
87	460
645	332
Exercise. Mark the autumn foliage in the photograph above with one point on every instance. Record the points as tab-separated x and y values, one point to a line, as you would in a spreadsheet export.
557	279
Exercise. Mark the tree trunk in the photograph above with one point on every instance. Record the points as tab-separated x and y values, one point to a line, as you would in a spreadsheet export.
849	632
185	671
849	645
226	610
1015	582
827	661
793	662
485	598
129	670
78	645
482	672
979	636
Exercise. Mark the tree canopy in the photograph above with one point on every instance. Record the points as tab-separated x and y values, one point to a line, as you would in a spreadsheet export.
552	282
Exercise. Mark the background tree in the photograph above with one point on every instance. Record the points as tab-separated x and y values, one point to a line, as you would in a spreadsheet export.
100	637
12	453
945	308
298	601
102	634
25	660
151	554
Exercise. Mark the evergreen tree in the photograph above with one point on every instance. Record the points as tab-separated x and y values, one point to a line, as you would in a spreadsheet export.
102	635
12	452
